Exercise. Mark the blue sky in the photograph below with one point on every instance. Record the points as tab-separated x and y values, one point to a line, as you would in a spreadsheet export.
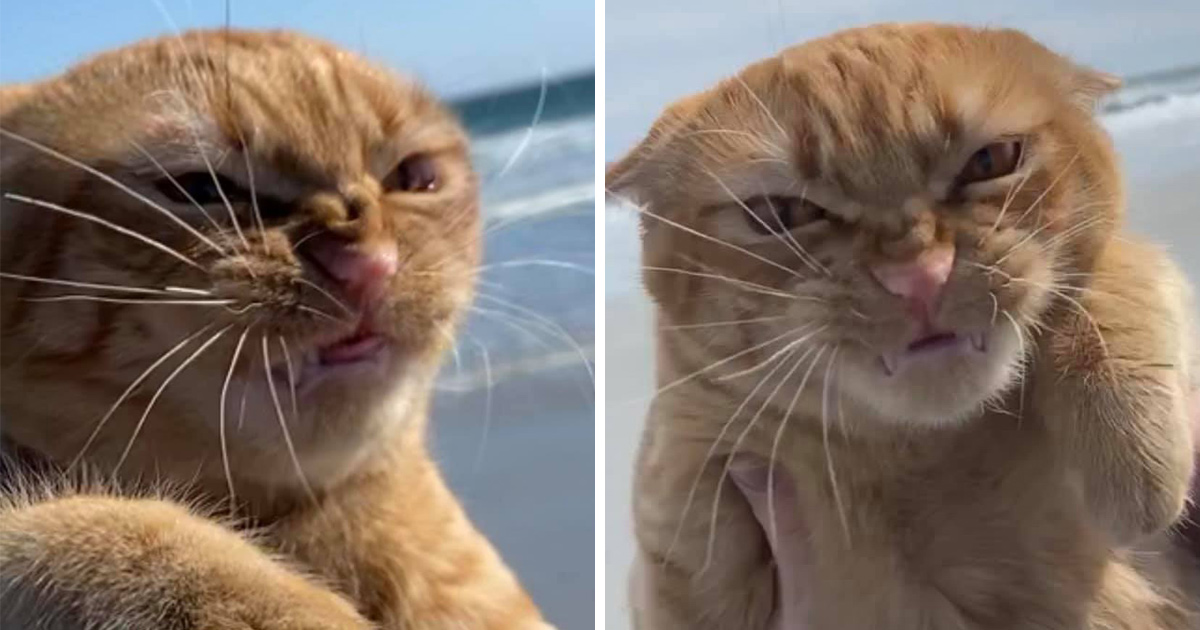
455	46
660	50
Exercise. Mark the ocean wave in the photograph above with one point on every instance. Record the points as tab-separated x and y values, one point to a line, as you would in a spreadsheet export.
541	203
1153	99
1168	108
455	381
528	171
576	136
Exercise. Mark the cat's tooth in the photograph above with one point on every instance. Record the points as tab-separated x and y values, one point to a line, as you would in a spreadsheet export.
979	342
889	363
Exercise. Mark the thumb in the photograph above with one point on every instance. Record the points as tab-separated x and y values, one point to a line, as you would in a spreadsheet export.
771	495
775	502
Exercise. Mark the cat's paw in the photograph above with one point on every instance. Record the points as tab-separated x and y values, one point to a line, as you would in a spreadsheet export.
316	610
1123	425
148	564
1136	460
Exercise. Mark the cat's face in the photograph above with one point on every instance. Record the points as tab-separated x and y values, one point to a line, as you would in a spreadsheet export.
317	212
913	196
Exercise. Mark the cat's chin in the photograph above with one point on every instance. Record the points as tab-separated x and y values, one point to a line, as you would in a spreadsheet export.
937	381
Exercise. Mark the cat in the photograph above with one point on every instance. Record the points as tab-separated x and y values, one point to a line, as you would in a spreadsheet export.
232	262
890	262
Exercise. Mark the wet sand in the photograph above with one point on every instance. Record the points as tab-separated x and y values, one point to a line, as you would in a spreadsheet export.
531	491
531	486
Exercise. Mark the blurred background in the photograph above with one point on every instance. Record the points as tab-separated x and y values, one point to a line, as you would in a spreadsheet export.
513	420
657	51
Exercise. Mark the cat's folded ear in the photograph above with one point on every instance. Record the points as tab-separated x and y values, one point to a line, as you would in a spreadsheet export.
1088	86
629	177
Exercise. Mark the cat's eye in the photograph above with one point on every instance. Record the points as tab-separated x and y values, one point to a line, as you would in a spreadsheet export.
416	173
776	214
992	161
200	187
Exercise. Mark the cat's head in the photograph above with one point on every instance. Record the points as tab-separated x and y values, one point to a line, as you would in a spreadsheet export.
266	192
911	196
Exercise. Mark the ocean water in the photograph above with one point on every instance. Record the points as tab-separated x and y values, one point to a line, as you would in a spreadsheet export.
513	426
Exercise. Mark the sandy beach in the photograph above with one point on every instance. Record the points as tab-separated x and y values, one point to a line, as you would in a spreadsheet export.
539	452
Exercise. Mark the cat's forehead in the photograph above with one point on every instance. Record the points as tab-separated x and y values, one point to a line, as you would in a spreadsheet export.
306	106
884	109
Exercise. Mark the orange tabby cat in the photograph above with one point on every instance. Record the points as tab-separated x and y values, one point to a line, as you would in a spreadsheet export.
232	261
890	261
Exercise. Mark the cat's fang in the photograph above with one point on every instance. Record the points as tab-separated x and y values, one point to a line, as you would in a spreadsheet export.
889	363
979	342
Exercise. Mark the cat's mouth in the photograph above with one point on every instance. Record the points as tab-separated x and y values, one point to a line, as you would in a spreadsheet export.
365	347
932	344
361	345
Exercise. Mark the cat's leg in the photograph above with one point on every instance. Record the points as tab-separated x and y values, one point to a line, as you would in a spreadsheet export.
693	571
1112	380
143	564
399	543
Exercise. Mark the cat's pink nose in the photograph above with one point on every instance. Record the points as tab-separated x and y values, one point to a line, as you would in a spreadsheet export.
365	271
920	280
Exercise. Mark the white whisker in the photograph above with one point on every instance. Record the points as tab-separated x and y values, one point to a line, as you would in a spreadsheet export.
108	224
319	313
716	240
537	117
1053	183
487	402
115	182
188	290
737	443
291	374
741	284
679	381
537	263
770	359
129	390
161	388
329	296
712	451
768	146
735	322
771	229
95	285
1008	199
783	134
112	300
287	436
237	351
779	438
833	484
174	182
547	323
250	180
796	244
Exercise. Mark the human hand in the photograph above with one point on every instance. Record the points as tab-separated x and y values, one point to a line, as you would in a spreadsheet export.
787	535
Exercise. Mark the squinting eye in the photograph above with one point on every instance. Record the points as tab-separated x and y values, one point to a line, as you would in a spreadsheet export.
995	160
199	187
774	214
416	173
